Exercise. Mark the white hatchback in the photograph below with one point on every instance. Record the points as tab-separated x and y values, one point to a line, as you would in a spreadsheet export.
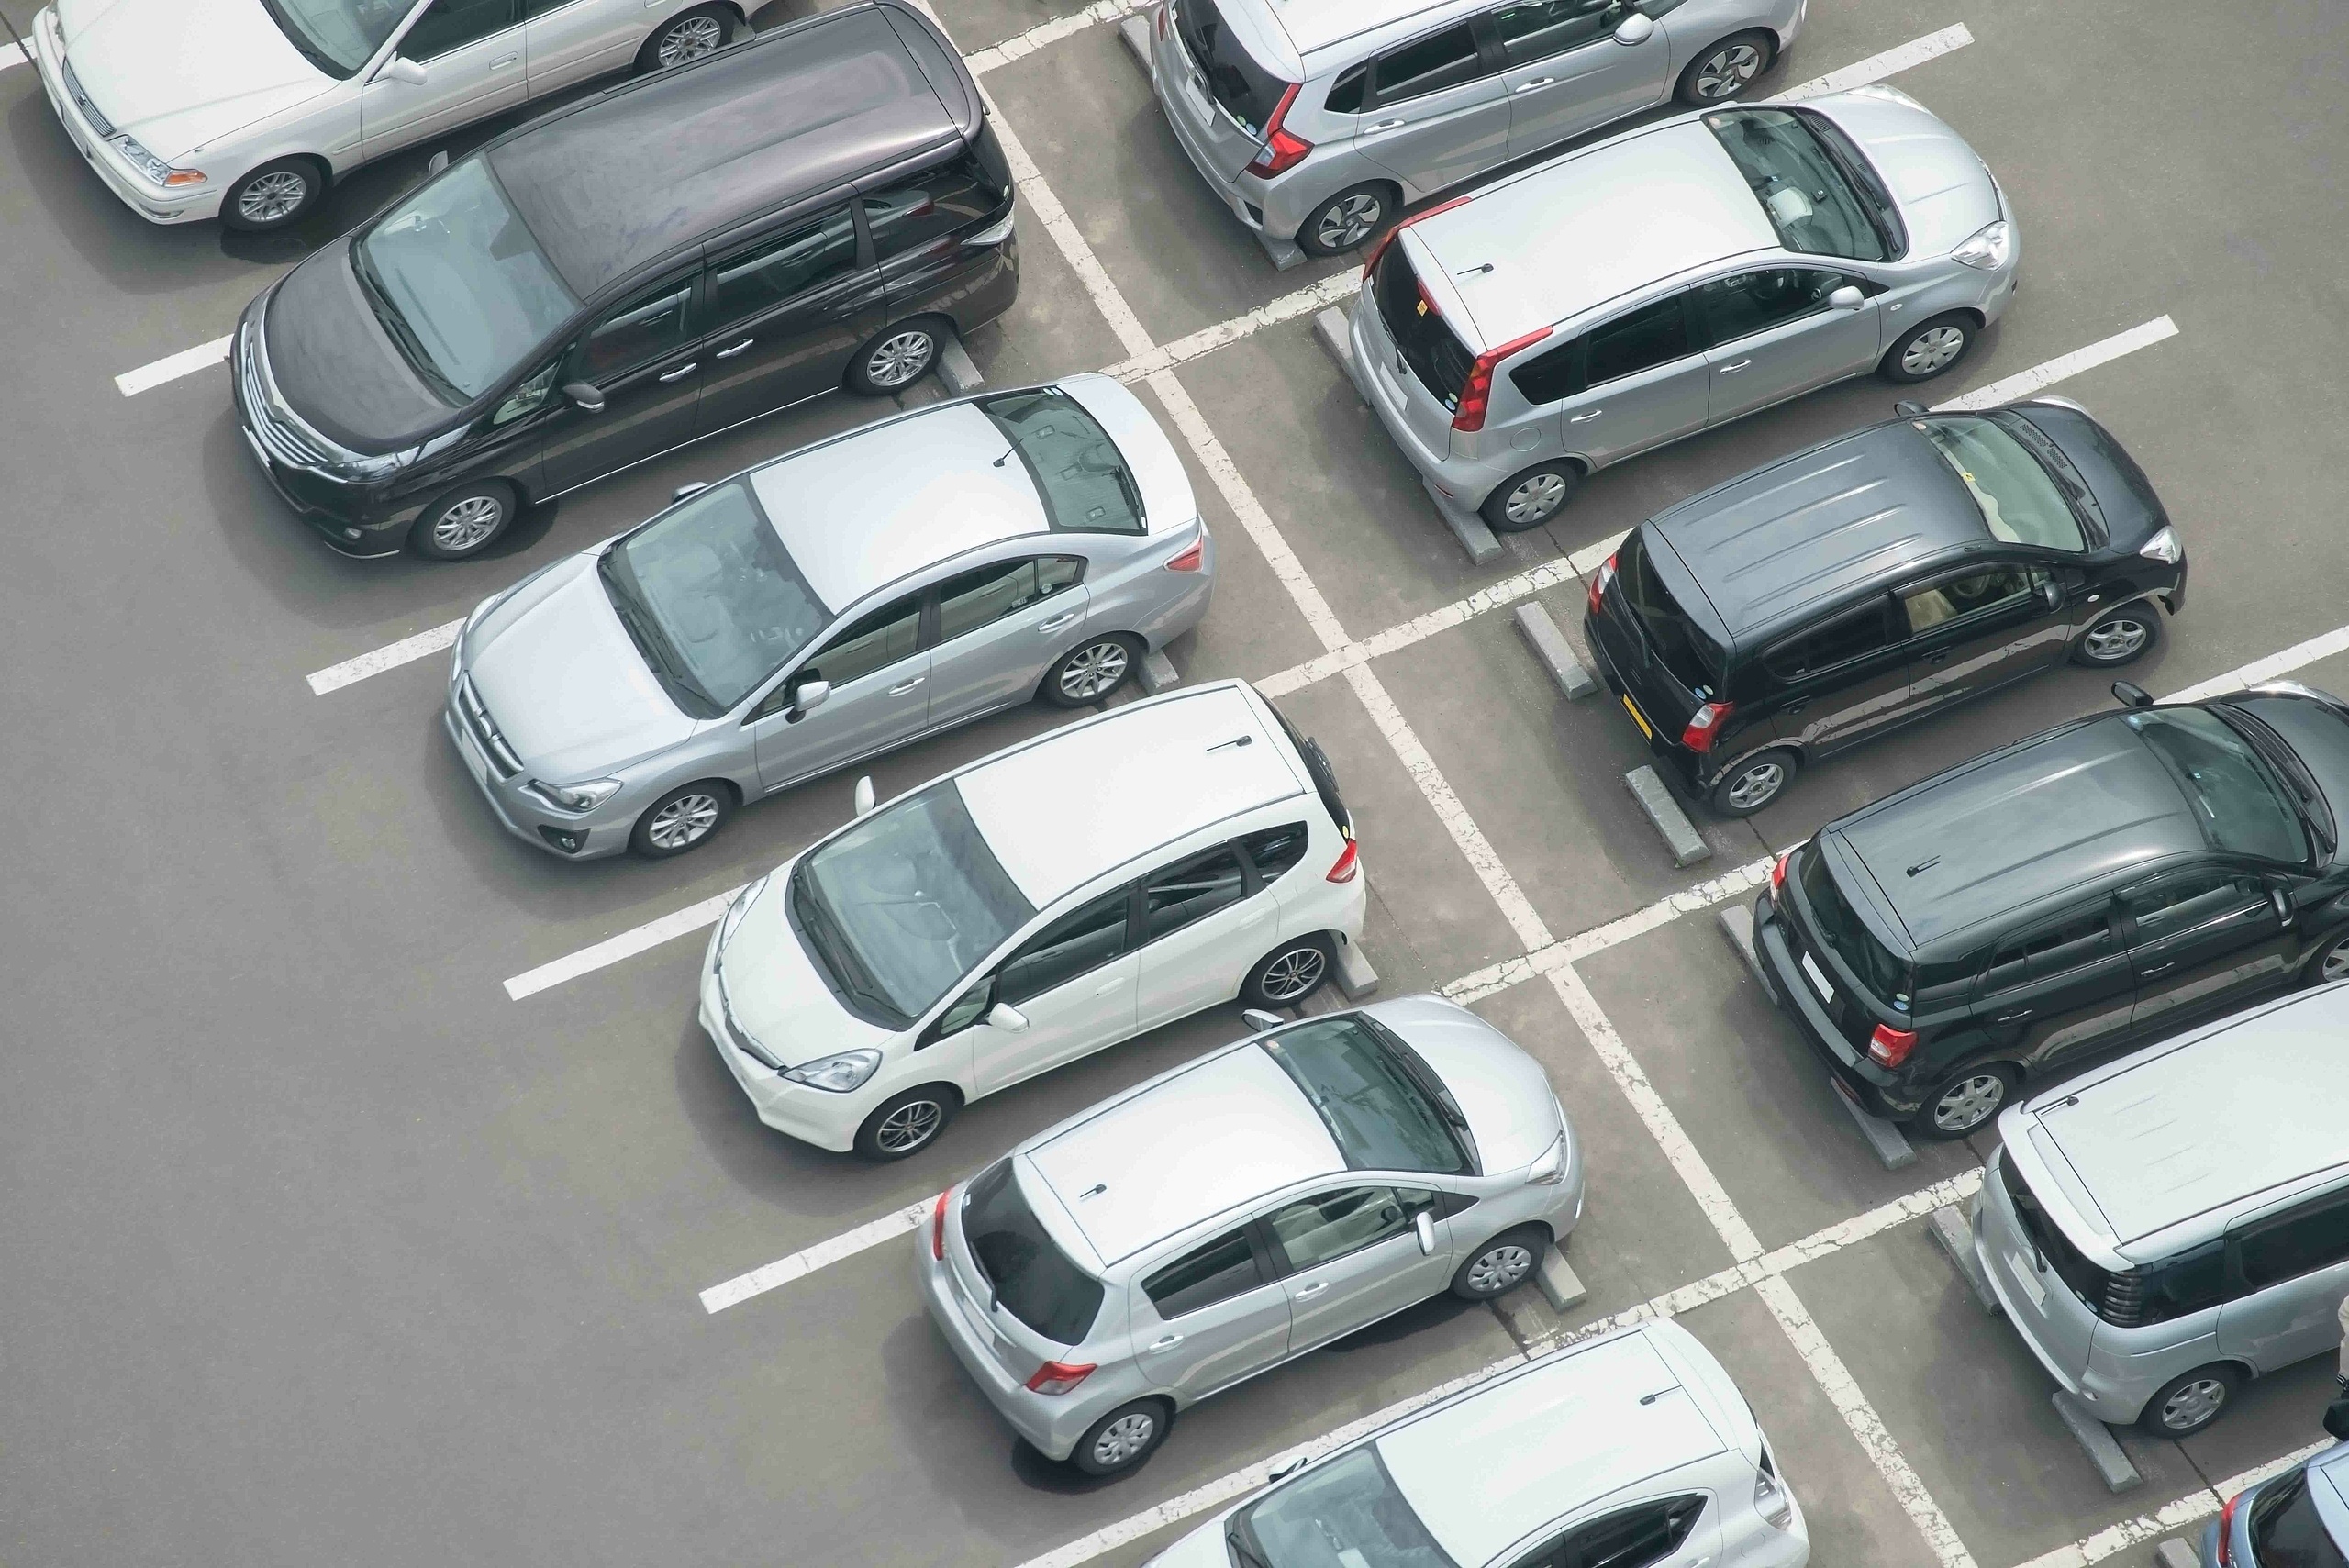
248	109
1033	908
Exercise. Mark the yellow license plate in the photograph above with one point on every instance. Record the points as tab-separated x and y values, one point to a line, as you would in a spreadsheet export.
1639	718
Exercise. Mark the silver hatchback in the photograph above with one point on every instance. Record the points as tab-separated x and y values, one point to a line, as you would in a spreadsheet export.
1241	1210
827	606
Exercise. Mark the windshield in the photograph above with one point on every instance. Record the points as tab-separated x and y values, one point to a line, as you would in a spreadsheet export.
339	35
2237	806
1798	183
1078	473
1377	1113
909	901
2286	1531
1693	658
1348	1514
2019	501
1427	343
1244	89
711	597
1885	976
467	290
1032	1279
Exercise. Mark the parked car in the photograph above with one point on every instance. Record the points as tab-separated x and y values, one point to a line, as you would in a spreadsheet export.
1318	120
2110	879
1241	1210
826	606
248	110
1631	1448
2297	1520
1032	908
2177	1222
1671	279
1880	578
821	206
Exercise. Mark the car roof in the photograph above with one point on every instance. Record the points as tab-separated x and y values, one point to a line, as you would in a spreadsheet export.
2064	812
625	179
1572	234
1225	1132
1485	1472
1317	24
1084	801
2211	1120
863	511
1772	546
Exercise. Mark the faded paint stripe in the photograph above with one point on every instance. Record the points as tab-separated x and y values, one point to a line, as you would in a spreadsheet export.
1891	62
391	656
782	1270
2040	378
628	944
172	367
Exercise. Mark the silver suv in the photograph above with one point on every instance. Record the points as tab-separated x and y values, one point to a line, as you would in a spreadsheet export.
1241	1210
1318	120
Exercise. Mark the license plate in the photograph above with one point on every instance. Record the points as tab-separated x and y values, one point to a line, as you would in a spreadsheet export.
2027	1278
1639	718
1817	978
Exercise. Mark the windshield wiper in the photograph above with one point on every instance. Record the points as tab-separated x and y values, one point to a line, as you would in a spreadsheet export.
833	947
1240	1556
395	327
649	643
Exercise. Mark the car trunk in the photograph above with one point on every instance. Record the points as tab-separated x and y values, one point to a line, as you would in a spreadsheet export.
2044	1274
1668	663
1830	943
1021	1294
1433	362
1227	94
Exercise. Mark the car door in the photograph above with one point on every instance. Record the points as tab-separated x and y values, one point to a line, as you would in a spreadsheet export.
2287	1273
641	357
1073	982
1205	922
2061	988
917	223
1775	336
2199	939
1978	628
1351	1256
1209	1316
784	310
1640	382
1564	72
471	51
879	675
1435	111
569	40
1842	681
1001	628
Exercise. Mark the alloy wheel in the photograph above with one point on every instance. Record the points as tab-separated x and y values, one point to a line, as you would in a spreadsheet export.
2111	641
909	1127
691	39
1500	1269
1728	69
685	820
468	524
274	197
1535	499
2337	962
1095	671
1969	1102
901	357
2194	1403
1756	786
1295	973
1933	350
1123	1439
1350	222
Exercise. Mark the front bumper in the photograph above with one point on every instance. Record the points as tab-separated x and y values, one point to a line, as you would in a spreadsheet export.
811	1116
141	196
601	832
1051	1424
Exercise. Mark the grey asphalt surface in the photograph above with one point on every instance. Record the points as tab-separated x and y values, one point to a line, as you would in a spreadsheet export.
314	1247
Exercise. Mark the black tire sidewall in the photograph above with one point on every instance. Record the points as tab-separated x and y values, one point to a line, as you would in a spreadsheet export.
420	531
1685	90
1386	195
1891	368
863	386
1717	796
307	170
640	841
1493	509
1527	1236
1050	689
1080	1456
1252	990
1923	1126
867	1136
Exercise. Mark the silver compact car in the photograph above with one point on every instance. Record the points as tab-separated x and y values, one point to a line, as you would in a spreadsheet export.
1318	120
825	606
1241	1210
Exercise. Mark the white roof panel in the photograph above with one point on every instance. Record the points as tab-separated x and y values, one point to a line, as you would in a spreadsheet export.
1317	24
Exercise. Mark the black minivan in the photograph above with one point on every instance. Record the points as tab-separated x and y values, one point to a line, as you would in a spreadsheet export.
2115	878
821	204
1876	579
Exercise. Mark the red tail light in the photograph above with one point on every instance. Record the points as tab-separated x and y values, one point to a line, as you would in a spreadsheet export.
1164	12
937	1226
1058	1377
2226	1531
1778	873
1598	581
1192	559
1705	725
1470	414
1380	249
1343	871
1282	151
1889	1047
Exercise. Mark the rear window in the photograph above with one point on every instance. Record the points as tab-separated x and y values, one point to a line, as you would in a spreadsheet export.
1695	659
1317	767
1079	474
2285	1529
1383	1111
1885	976
1428	344
1032	1279
1241	87
2050	1247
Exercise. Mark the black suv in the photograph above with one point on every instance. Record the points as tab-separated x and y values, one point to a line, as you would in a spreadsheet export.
654	265
2113	878
1875	579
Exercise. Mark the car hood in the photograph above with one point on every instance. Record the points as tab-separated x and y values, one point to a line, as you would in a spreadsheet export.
334	365
1943	188
178	73
2132	513
565	683
1511	1109
775	990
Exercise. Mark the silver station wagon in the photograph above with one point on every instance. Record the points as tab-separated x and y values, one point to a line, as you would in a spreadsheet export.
826	606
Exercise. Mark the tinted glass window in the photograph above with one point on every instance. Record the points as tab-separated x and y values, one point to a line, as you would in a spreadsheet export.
1694	659
638	332
1551	375
1884	975
1540	29
2315	1238
339	35
1428	345
1633	1538
1173	899
1429	64
1649	336
1811	204
875	642
1033	1280
908	216
1242	88
1079	474
2182	902
968	1009
1276	850
2051	1246
1752	302
1988	589
1847	637
2285	1530
2238	807
2054	949
452	24
1378	1113
1330	1224
1071	945
1224	1268
977	598
2188	1283
2020	502
784	267
1317	767
1346	92
1346	1513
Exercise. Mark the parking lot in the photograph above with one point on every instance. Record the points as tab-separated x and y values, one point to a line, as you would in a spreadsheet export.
366	1169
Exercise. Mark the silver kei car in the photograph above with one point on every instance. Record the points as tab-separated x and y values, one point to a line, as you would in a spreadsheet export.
825	606
1237	1212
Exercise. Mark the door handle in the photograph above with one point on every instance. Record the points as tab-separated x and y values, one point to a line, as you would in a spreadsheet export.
729	353
1941	658
1537	82
1056	622
680	372
1112	985
1165	1342
503	60
1794	710
1739	366
2011	1017
1584	418
1316	1288
909	685
1387	125
2159	968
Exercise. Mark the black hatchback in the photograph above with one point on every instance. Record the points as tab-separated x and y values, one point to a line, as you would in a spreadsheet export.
821	205
1876	579
2113	879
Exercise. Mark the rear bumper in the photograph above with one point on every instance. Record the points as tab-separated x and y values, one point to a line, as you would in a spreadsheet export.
1049	1426
1465	481
1878	1091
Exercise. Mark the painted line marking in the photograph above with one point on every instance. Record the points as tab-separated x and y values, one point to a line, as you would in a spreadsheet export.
172	367
1021	45
2040	378
782	1270
2171	1517
391	656
1335	289
2268	669
13	54
1876	67
628	944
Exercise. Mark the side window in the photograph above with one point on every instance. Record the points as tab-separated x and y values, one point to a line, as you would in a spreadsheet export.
1275	851
2182	902
1330	1224
1173	899
875	642
651	325
1346	92
975	598
2313	1237
1219	1270
1839	641
1067	948
1429	64
782	267
1652	335
2189	1281
1746	303
968	1009
1633	1538
1985	588
529	397
1545	27
2079	939
909	215
1549	376
452	24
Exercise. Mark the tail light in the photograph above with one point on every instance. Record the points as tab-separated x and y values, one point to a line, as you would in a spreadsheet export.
1778	873
1345	868
1380	249
1192	559
1058	1377
2227	1530
937	1226
1598	581
1166	15
1705	725
1470	414
1282	151
1889	1047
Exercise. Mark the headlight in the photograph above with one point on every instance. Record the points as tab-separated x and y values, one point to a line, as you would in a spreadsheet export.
576	797
836	1074
1550	1167
2163	547
155	168
1987	247
362	469
739	907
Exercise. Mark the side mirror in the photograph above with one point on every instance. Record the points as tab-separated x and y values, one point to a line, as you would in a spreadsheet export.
1634	30
1848	298
696	488
438	162
2132	695
589	397
1259	1020
399	67
1283	1471
2283	902
864	795
1006	1018
2336	1418
1424	1223
806	698
2051	594
1908	408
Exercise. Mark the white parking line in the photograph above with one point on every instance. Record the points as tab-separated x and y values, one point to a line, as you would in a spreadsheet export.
391	656
11	54
2040	378
2268	669
782	1270
188	362
628	944
2170	1518
1335	289
1021	45
1876	67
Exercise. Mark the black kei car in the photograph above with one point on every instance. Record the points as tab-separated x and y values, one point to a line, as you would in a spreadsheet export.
1876	579
819	204
2115	878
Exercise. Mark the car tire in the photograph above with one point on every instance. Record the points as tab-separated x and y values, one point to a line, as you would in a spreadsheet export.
276	195
895	357
1722	72
1288	975
686	37
1121	1439
459	524
905	1124
1930	349
1501	1265
1532	497
1966	1101
1091	671
1348	220
685	818
2330	961
1754	783
2119	636
2190	1401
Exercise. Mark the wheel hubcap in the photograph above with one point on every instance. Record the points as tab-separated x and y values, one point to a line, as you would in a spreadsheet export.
1294	973
900	359
2115	639
1122	1440
1756	784
909	1126
2194	1403
691	39
1535	499
1500	1269
469	523
683	821
2336	963
1970	1104
1933	350
1728	70
1350	222
1095	671
273	197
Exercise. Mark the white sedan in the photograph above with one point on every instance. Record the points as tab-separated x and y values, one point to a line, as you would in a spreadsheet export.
247	110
